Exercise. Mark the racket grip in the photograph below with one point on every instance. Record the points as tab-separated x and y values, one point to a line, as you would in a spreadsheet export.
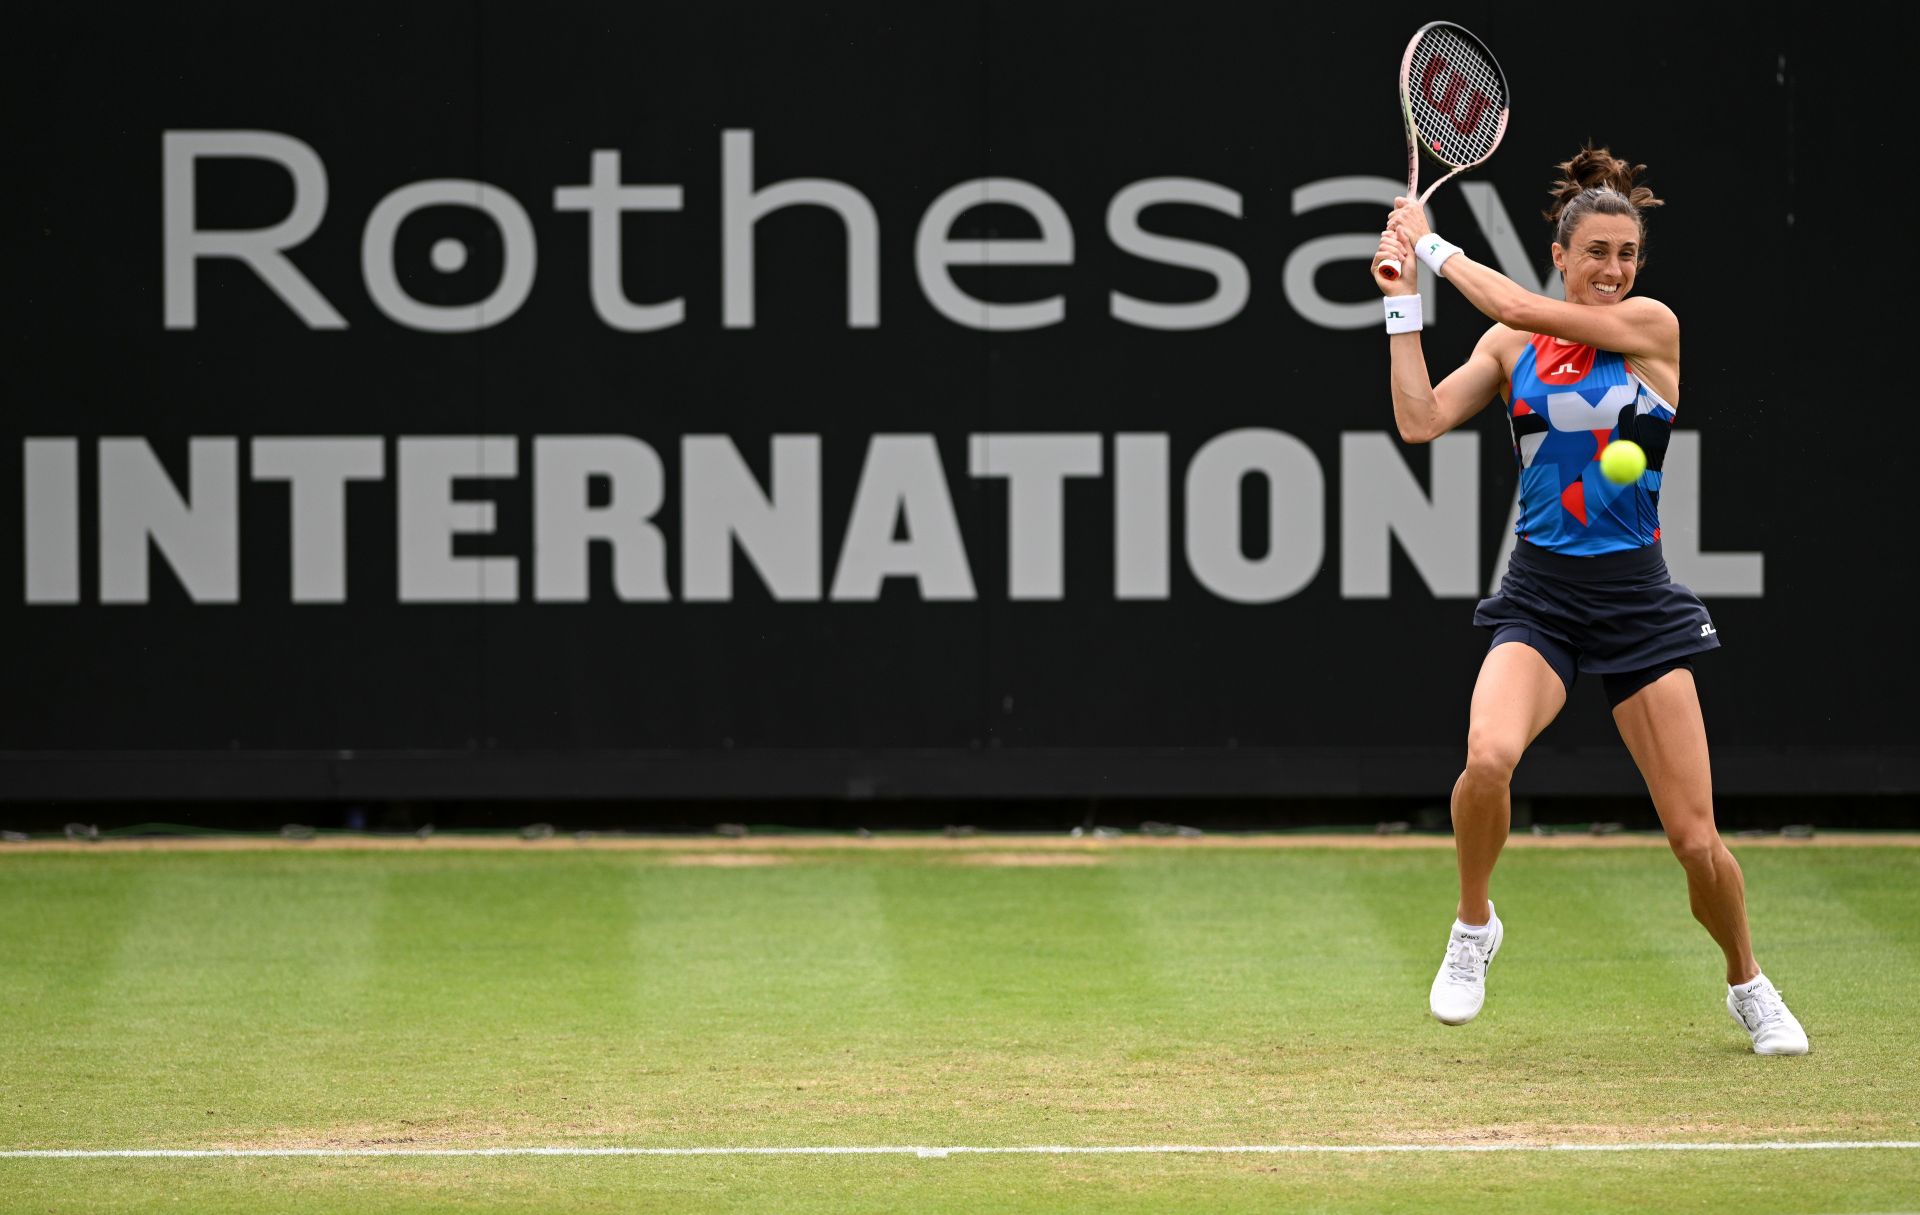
1390	269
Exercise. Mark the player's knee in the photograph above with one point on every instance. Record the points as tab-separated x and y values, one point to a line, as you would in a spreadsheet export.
1696	850
1491	758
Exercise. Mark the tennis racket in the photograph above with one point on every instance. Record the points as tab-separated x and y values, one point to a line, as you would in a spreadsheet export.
1454	98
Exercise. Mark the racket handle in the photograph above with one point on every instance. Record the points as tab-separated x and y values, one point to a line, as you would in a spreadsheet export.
1390	269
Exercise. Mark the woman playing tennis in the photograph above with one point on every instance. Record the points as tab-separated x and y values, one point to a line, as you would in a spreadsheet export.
1587	588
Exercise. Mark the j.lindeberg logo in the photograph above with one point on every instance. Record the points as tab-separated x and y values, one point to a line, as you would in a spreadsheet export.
1566	369
1707	630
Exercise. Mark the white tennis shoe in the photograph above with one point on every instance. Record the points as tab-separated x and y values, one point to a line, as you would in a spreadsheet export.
1762	1013
1461	986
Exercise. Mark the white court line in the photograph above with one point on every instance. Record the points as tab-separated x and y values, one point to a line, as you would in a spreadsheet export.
1277	1149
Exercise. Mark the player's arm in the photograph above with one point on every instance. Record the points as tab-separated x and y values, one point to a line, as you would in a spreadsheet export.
1423	410
1636	326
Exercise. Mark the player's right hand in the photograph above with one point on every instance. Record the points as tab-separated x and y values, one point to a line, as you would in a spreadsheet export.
1393	246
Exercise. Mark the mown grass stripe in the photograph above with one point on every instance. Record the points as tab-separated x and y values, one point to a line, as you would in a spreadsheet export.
1157	1149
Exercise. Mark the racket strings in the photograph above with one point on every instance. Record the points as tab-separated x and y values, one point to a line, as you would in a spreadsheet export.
1457	98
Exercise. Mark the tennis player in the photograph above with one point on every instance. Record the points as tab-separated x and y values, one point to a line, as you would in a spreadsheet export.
1587	588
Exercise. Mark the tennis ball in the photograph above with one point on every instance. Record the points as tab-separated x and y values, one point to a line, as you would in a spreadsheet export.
1623	462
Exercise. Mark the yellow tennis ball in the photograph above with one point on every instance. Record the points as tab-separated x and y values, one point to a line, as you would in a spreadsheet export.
1623	462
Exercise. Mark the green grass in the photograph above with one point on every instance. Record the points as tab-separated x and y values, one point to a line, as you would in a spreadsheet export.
1231	996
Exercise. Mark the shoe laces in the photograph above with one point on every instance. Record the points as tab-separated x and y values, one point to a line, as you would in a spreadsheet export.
1465	959
1769	1008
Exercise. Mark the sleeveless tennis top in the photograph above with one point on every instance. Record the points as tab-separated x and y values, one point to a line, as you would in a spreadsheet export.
1565	403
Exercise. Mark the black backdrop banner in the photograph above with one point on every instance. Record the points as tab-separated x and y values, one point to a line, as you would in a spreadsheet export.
869	400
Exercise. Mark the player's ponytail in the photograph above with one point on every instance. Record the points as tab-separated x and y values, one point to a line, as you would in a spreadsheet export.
1596	182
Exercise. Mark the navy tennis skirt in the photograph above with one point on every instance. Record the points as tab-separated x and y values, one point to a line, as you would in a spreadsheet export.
1619	615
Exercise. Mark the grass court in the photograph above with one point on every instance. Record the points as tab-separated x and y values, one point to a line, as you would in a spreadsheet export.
907	992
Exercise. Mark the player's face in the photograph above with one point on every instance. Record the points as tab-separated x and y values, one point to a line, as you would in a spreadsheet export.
1600	259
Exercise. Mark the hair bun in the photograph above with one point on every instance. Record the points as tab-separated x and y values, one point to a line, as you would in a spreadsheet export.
1598	169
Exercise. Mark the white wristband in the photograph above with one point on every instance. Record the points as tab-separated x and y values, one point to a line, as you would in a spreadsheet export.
1403	313
1433	250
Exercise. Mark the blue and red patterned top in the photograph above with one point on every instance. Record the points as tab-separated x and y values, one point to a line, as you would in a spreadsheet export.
1565	403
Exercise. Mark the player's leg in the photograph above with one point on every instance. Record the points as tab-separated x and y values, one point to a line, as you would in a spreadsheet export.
1664	730
1520	691
1523	682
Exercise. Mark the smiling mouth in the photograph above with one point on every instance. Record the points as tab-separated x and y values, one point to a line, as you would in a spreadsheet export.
1607	291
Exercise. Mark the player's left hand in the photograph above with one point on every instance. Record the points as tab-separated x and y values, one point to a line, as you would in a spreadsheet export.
1391	246
1408	219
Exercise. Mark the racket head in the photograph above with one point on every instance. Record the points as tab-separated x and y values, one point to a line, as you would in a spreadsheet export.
1453	96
